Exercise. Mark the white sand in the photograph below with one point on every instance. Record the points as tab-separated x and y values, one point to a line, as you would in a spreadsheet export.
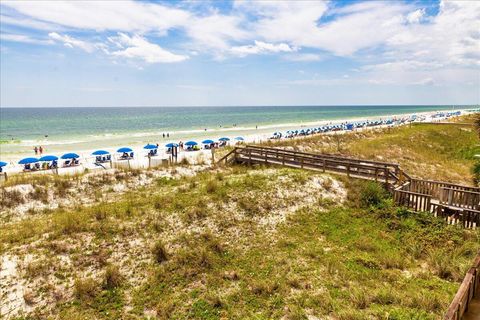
251	136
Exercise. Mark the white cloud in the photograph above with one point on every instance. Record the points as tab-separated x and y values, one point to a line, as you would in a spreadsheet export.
71	42
27	23
24	39
137	47
262	47
416	16
304	57
215	31
103	15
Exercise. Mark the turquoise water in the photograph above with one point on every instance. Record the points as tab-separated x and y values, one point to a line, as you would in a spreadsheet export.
87	128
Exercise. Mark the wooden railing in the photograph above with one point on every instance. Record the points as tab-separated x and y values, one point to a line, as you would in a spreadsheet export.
378	171
459	198
469	289
413	200
433	188
455	203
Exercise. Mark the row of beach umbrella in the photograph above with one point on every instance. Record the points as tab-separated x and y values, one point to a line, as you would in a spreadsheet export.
72	156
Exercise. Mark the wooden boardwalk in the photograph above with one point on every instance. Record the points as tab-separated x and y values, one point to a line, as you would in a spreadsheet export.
456	204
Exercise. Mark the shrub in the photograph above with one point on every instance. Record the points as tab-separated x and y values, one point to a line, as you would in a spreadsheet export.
113	277
85	289
372	194
40	194
159	252
476	173
211	186
10	199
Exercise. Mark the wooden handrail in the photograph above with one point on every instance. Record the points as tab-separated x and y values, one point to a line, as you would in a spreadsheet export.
225	157
403	194
327	155
466	292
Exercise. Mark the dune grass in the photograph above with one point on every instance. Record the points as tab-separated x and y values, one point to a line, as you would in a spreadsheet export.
209	247
429	151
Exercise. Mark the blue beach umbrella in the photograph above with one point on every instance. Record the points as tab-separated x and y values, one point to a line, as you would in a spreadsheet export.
191	143
28	161
224	139
171	145
3	164
70	156
124	149
150	147
239	138
100	153
208	141
48	158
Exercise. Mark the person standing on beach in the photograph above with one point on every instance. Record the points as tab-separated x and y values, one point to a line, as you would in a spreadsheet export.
36	150
40	149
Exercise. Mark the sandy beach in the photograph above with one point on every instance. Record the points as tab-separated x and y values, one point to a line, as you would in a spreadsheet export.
141	160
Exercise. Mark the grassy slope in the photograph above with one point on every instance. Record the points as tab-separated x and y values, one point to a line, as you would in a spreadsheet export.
228	255
346	260
423	150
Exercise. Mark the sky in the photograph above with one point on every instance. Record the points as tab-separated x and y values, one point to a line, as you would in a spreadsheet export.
235	53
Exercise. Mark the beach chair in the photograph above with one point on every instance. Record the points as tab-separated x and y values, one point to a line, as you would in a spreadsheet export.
131	155
67	163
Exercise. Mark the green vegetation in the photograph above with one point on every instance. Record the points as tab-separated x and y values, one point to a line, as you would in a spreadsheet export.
239	242
429	151
243	243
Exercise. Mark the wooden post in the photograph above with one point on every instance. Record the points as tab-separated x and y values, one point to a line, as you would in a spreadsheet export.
213	154
386	175
376	174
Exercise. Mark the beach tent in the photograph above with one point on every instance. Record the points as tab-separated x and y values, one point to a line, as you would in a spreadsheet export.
28	161
208	141
3	164
100	153
224	139
124	149
150	147
70	156
239	138
191	143
171	145
48	158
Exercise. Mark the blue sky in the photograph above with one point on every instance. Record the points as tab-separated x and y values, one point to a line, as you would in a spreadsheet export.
179	53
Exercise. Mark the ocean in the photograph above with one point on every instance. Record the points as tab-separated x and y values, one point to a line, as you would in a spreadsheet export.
73	129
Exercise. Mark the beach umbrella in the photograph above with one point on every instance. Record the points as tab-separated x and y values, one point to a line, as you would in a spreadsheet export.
224	139
191	143
3	164
70	156
150	146
28	161
171	145
124	149
208	141
239	138
48	158
100	153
